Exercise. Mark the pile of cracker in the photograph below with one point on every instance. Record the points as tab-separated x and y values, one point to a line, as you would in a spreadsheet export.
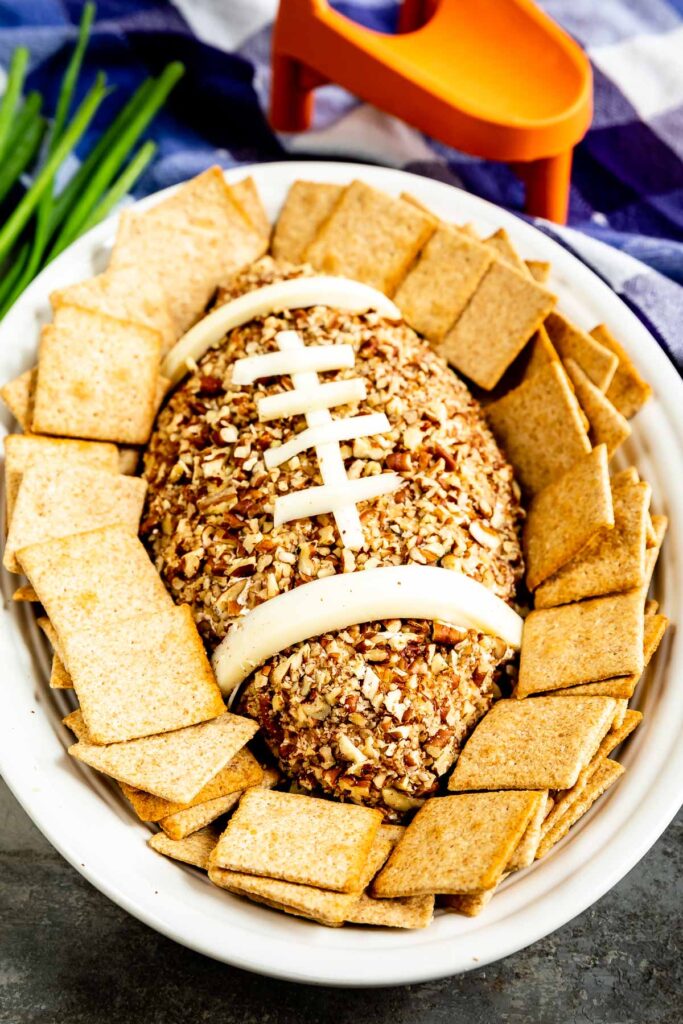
150	714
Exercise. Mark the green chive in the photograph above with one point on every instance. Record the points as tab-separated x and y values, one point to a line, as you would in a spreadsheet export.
17	221
24	142
121	186
15	82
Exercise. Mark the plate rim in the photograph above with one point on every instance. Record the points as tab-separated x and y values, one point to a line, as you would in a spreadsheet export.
394	963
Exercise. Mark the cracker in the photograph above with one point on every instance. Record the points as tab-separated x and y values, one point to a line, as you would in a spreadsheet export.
606	425
306	208
299	839
540	353
54	503
194	849
246	194
324	906
624	686
438	286
189	244
25	593
565	515
240	772
370	237
76	723
531	745
525	852
581	643
143	675
605	775
402	912
539	270
51	453
504	312
456	844
613	562
184	823
501	243
59	677
611	741
626	476
174	765
540	427
125	294
97	378
89	579
660	525
471	906
596	361
627	391
18	395
50	634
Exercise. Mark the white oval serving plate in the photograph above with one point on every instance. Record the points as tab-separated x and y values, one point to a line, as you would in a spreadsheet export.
89	823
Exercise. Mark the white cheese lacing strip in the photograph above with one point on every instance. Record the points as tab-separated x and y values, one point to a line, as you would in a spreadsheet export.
274	364
311	397
347	599
332	469
348	429
297	293
314	501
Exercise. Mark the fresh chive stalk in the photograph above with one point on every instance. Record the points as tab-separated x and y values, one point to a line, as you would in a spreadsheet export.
106	170
121	186
15	83
23	144
18	219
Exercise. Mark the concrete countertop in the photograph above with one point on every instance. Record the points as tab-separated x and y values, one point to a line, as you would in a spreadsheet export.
69	955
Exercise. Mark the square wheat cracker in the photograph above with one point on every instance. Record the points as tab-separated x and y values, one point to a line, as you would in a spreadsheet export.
539	270
97	378
605	776
539	425
456	844
538	353
325	906
240	772
59	677
504	312
184	823
438	286
50	634
628	392
246	194
596	361
194	849
531	745
565	515
51	452
68	575
370	237
613	561
606	425
189	244
125	294
54	503
18	395
501	243
401	912
143	675
299	839
174	765
25	593
524	853
581	643
306	208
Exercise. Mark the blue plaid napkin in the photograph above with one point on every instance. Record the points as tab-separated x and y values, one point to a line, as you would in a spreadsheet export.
627	187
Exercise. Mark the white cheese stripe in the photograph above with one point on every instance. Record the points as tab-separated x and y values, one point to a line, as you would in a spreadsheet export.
328	454
334	603
273	364
297	293
313	501
348	429
303	400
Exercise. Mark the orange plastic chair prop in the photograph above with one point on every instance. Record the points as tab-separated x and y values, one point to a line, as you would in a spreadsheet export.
496	78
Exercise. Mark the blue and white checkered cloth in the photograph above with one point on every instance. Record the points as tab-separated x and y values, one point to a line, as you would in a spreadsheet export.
627	186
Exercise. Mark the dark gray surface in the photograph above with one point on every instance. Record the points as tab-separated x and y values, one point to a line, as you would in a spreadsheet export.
69	955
